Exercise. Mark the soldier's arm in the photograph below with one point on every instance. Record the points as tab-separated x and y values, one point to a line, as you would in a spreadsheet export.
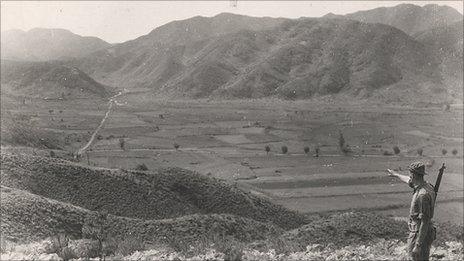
393	173
425	218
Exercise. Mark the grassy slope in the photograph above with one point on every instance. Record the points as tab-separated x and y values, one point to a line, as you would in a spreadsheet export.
28	217
166	193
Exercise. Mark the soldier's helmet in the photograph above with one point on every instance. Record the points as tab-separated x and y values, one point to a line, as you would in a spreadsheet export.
417	168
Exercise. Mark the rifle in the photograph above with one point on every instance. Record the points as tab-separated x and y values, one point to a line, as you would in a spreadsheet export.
437	183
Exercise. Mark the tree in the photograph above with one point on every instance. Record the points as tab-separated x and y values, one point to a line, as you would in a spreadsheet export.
317	151
455	152
444	151
52	154
176	146
122	143
420	151
267	149
396	150
306	149
284	149
341	141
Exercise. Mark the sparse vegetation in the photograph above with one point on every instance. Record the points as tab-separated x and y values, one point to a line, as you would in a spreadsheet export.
284	149
97	227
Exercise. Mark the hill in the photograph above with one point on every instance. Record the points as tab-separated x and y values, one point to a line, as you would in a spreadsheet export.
407	17
297	59
41	44
166	193
446	43
27	217
48	80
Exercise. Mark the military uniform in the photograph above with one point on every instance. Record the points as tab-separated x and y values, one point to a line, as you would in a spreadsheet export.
422	209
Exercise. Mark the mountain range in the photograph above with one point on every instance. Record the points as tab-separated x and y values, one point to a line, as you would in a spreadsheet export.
235	56
41	44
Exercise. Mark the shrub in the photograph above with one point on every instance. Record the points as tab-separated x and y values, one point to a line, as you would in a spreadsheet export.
52	154
306	149
387	153
396	150
447	107
267	149
99	137
455	152
444	151
284	149
176	146
420	151
141	167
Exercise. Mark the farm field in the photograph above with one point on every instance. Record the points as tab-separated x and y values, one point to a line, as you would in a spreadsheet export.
227	139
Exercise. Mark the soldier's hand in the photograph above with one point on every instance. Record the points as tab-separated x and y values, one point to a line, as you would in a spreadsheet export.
391	173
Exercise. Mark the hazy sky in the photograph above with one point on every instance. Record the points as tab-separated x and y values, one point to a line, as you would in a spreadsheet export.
120	21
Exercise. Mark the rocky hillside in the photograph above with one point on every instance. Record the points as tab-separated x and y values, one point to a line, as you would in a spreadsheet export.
407	17
40	44
48	80
167	193
297	59
446	43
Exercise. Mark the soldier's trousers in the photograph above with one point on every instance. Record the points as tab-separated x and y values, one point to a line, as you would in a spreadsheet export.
424	251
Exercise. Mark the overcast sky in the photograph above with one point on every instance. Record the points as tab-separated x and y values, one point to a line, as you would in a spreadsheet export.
120	21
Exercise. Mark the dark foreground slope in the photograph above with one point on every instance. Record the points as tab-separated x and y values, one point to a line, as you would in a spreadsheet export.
166	193
48	80
296	59
29	217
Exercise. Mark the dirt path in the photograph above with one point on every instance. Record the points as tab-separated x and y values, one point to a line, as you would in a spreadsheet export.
92	138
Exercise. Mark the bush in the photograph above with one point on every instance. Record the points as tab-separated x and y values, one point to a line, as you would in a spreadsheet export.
396	150
387	153
420	151
455	152
284	149
317	151
129	245
306	149
99	137
141	167
444	151
176	146
52	154
267	149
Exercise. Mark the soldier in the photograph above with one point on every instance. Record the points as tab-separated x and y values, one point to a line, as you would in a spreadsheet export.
422	232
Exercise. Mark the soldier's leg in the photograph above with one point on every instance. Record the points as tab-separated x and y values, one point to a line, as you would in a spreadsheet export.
411	241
